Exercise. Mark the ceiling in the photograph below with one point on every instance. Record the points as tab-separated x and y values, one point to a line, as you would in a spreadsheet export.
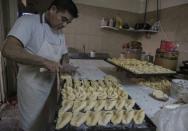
135	6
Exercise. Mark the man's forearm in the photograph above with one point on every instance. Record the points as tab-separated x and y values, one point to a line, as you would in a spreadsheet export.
23	57
20	55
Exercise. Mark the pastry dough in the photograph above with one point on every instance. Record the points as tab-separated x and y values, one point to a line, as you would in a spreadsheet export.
139	116
109	104
127	116
80	93
66	105
78	105
86	83
112	94
63	120
99	105
117	117
69	96
129	104
105	117
122	94
101	83
156	83
157	94
92	95
78	118
102	95
90	105
93	118
120	104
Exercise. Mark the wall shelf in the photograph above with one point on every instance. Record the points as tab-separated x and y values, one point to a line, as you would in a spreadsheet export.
127	30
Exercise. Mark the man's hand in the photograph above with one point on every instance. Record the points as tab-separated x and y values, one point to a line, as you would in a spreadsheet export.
65	59
52	66
56	67
67	68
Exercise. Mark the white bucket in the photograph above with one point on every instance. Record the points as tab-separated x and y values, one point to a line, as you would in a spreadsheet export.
178	86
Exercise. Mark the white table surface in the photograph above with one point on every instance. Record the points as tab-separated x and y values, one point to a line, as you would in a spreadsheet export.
97	69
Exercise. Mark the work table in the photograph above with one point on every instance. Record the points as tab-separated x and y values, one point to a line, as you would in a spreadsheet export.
97	69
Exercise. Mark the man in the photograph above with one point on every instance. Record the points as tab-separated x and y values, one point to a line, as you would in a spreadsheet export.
35	42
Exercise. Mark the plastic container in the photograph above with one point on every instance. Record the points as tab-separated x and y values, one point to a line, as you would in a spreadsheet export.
92	54
133	53
178	86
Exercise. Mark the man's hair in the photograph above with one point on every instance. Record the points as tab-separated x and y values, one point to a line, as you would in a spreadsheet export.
68	5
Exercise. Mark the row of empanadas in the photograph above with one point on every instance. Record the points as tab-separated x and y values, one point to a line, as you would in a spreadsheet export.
98	105
156	83
100	117
79	93
140	67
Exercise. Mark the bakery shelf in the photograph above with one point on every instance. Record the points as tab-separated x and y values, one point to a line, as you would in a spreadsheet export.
127	30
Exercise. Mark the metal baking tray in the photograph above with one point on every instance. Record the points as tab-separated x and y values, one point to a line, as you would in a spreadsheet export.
141	75
147	125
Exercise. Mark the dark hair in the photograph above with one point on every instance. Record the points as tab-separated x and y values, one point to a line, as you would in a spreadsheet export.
68	5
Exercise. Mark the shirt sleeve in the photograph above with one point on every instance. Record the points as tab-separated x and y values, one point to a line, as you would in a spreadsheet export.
22	29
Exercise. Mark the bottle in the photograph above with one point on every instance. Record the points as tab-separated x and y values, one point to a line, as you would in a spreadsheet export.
119	22
103	22
111	22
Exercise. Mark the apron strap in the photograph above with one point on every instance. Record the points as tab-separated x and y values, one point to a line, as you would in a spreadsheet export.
41	18
41	21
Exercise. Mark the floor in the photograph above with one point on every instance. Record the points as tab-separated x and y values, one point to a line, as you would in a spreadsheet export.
9	118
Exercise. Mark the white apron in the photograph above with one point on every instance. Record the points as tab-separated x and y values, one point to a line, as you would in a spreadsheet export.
34	88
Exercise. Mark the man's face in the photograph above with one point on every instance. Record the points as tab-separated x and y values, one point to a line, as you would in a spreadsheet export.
59	19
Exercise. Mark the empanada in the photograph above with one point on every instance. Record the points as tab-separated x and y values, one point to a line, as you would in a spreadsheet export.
78	118
78	105
93	118
122	94
120	104
63	120
129	104
127	116
69	96
92	95
117	117
105	117
90	104
139	116
109	104
66	105
99	105
102	95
